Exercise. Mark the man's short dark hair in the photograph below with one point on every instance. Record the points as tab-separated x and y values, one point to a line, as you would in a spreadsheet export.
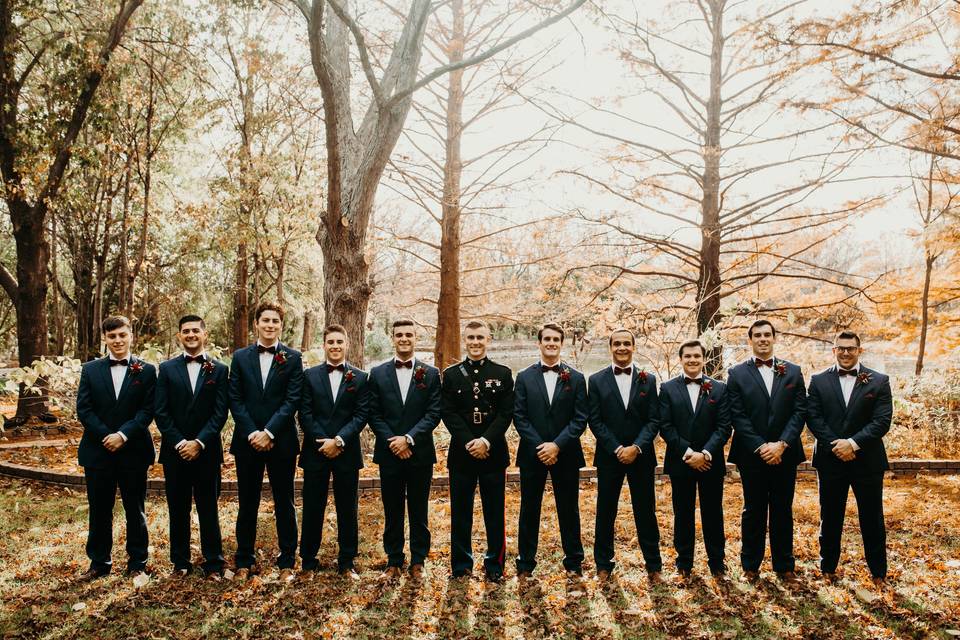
847	335
333	328
268	306
112	323
689	344
191	318
403	322
759	323
552	326
477	324
633	338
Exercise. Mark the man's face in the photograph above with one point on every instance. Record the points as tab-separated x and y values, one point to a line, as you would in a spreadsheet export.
269	325
551	342
622	347
192	337
118	341
476	340
692	360
335	347
847	352
404	341
762	341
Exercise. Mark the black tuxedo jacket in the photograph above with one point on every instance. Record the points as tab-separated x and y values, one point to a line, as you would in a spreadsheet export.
866	419
707	428
183	412
613	425
102	413
759	417
538	420
321	417
417	417
273	406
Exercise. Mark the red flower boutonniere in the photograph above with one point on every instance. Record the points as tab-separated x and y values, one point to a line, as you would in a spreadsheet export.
210	381
419	375
348	376
780	368
706	387
135	368
642	376
565	375
208	367
280	358
863	377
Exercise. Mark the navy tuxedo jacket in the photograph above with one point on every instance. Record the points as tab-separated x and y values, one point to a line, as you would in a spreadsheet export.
706	428
613	425
187	413
866	419
759	417
538	420
417	417
321	417
273	406
102	413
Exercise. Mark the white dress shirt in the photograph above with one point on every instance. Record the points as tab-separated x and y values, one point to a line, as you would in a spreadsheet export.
335	377
624	382
266	360
767	374
550	379
847	383
118	373
404	375
193	372
693	391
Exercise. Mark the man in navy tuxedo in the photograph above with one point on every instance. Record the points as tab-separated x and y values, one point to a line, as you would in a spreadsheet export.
623	417
849	411
404	411
115	407
476	408
265	383
768	408
694	420
550	414
192	398
333	412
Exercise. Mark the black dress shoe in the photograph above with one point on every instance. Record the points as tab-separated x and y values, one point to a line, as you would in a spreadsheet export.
494	576
461	573
92	574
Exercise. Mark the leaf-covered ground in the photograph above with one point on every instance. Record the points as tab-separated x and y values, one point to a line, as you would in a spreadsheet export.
42	532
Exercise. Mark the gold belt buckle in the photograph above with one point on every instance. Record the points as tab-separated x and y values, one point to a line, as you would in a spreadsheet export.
477	417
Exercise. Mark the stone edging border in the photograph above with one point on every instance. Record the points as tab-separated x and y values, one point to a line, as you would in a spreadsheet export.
156	486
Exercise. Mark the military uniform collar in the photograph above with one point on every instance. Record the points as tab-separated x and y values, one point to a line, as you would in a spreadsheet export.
475	363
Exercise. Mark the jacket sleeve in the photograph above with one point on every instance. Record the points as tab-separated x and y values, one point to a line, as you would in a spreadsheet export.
649	429
879	423
139	425
242	422
431	417
378	421
308	424
361	410
668	431
498	428
738	415
794	427
210	432
600	430
85	411
448	411
815	420
723	429
283	417
521	415
578	423
162	415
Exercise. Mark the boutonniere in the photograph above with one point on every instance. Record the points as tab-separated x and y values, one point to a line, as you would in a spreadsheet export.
208	366
419	374
135	368
348	376
565	374
706	387
780	368
280	357
642	376
863	377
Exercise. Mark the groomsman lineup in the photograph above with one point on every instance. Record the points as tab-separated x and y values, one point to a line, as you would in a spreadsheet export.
285	416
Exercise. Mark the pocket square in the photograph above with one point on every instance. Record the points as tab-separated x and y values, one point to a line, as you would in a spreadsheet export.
790	386
566	388
208	382
136	382
642	394
351	389
870	395
711	401
421	386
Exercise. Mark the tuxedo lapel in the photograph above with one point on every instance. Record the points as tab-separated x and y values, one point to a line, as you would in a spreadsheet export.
758	379
634	385
557	386
541	384
701	398
272	373
106	379
180	366
777	378
323	381
611	379
343	385
127	375
833	381
857	391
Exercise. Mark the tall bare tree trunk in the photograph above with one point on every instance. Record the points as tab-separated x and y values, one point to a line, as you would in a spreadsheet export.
306	341
241	304
925	310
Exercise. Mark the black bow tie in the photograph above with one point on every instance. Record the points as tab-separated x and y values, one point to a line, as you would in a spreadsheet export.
400	364
546	367
334	367
687	380
263	349
118	363
622	370
846	372
764	363
197	358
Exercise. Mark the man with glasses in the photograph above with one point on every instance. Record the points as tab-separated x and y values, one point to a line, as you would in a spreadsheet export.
849	412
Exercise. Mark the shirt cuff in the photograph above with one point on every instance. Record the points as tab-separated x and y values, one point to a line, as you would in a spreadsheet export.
269	435
180	444
706	454
485	441
200	442
689	452
853	443
409	439
125	438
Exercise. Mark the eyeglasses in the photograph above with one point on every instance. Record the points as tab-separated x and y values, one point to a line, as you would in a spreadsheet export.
850	350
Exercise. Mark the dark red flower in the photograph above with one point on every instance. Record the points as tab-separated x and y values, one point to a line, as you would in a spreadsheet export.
135	368
642	376
348	376
280	358
565	374
706	387
419	373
